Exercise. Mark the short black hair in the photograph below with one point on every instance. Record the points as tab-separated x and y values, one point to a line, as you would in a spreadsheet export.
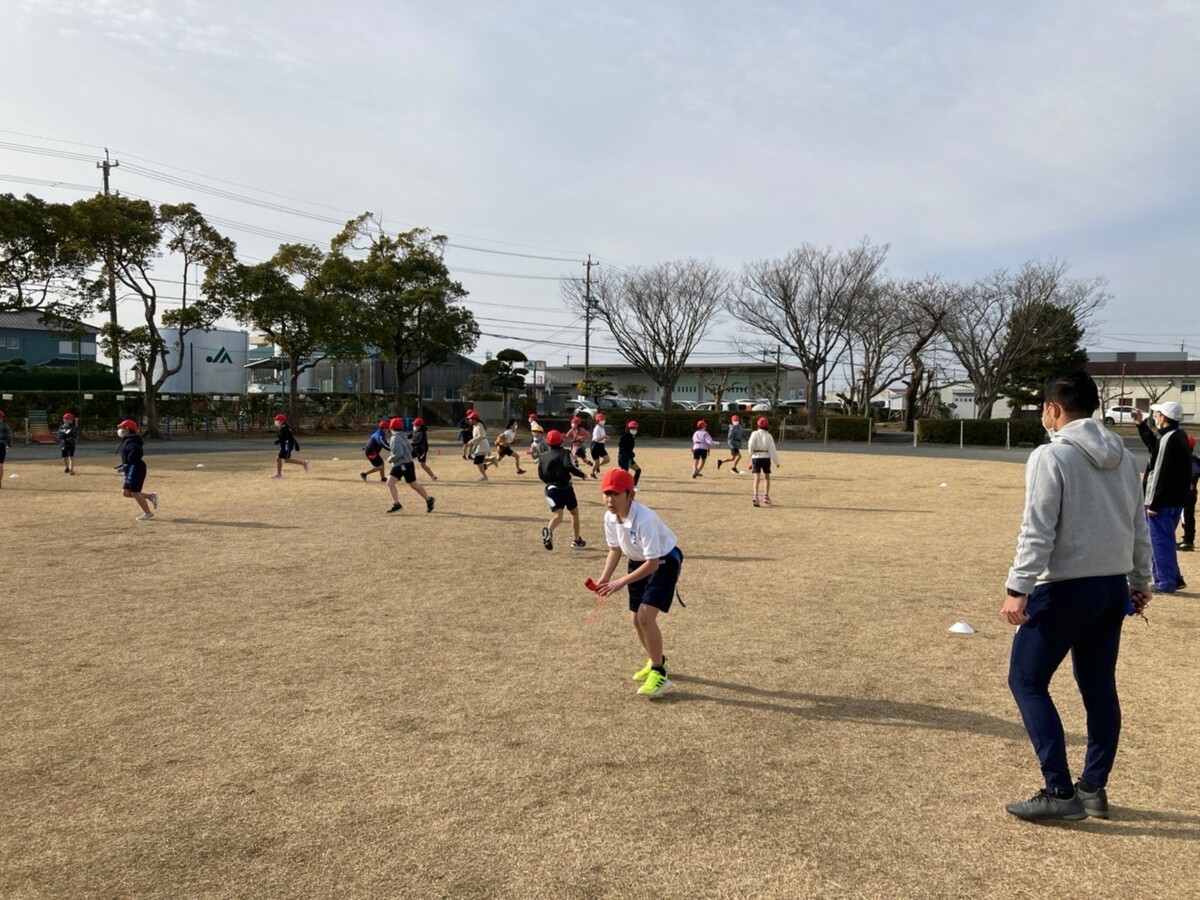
1076	393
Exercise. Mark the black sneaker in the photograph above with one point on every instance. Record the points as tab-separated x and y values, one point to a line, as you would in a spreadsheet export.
695	474
1046	806
720	462
547	538
1179	585
428	504
1095	803
1185	546
396	507
579	544
363	476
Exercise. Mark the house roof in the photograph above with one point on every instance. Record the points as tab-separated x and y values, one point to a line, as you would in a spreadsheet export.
31	320
1146	368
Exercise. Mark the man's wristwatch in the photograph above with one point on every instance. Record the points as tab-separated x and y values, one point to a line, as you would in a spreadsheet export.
1013	593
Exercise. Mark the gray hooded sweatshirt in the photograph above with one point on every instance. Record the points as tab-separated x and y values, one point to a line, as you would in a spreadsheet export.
1083	511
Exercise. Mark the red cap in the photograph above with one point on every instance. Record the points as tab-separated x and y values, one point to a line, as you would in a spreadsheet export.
762	422
383	423
418	422
533	417
701	424
599	417
127	424
734	419
70	417
616	481
1	414
281	418
396	424
471	414
554	437
631	424
1191	440
577	421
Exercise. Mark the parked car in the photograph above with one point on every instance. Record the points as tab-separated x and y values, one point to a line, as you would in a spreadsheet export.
1119	415
686	404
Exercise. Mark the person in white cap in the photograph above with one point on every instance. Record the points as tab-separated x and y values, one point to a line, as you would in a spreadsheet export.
1167	481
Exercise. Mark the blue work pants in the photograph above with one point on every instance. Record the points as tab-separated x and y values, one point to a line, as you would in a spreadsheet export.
1162	547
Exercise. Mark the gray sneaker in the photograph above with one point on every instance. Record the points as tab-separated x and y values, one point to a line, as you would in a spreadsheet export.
1046	806
1095	803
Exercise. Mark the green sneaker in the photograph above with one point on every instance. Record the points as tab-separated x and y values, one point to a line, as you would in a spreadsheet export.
655	685
644	672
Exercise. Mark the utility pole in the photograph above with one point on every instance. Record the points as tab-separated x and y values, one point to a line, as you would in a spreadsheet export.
587	322
775	405
110	275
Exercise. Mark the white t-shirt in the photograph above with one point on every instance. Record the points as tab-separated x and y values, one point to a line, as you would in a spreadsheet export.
506	437
599	435
642	536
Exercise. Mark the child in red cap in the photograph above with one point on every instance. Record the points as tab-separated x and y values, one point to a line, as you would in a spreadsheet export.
577	436
762	453
403	467
374	447
420	446
478	447
287	444
635	531
68	435
133	466
6	439
702	442
555	469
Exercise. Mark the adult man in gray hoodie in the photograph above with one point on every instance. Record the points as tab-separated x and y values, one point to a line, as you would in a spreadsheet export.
1082	564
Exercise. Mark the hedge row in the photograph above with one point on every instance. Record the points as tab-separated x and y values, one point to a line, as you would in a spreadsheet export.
981	432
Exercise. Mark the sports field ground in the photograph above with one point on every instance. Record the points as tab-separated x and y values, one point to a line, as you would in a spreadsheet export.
276	690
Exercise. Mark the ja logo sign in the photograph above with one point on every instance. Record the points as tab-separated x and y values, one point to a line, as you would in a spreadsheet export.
221	356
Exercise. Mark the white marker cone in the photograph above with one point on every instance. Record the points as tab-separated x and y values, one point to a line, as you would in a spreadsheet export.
14	475
199	465
335	459
943	484
961	628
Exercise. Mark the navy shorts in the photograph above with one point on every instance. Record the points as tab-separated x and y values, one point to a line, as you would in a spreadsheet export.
598	451
581	452
68	450
659	589
504	451
699	453
735	449
561	496
3	452
135	476
760	465
479	458
624	460
404	472
374	459
421	454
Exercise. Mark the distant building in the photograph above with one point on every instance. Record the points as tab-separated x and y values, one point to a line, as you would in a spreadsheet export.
1139	379
747	380
24	336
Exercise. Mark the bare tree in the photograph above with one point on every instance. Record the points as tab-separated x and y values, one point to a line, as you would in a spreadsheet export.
657	315
716	382
880	329
803	302
1155	391
991	328
926	303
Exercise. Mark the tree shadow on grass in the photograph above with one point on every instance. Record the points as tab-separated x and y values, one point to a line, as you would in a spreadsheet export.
451	514
217	523
865	710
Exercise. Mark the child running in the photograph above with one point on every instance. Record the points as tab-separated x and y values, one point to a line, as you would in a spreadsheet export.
599	439
577	436
6	439
762	455
287	445
638	533
376	443
702	441
478	447
464	433
734	438
68	435
420	446
403	467
555	469
625	452
537	441
504	446
134	468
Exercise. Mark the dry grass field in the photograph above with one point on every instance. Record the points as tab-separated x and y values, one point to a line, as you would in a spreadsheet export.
276	690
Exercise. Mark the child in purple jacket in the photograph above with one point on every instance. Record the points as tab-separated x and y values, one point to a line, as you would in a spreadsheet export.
702	442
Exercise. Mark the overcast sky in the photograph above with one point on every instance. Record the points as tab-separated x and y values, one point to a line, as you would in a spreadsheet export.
968	136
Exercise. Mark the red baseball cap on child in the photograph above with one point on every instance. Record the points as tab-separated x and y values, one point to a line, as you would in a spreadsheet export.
554	437
1	414
70	417
631	424
471	414
616	481
281	418
396	424
577	421
127	424
734	419
383	423
533	417
701	424
763	423
418	422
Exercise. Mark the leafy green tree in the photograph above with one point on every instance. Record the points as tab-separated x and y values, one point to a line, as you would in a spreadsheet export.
137	234
598	384
633	391
1057	349
43	261
408	306
298	299
507	371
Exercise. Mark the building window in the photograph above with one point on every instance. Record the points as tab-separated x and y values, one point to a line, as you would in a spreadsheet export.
14	343
1187	387
451	392
427	392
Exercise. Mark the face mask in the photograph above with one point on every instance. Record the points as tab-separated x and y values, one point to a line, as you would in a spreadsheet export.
633	431
121	432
